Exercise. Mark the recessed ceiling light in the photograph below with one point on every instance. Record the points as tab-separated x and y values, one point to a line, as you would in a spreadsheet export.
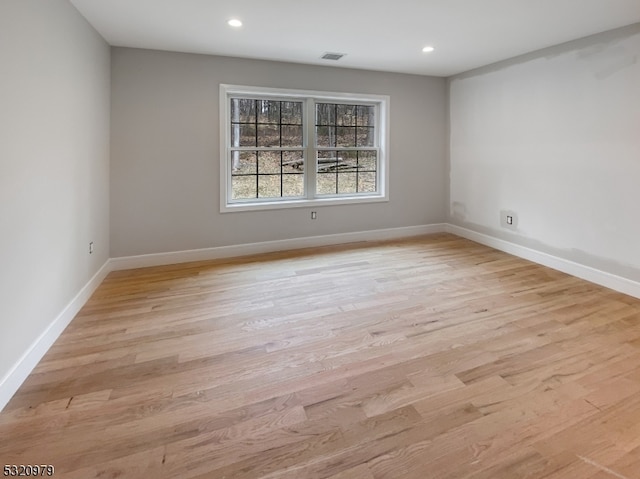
428	49
234	22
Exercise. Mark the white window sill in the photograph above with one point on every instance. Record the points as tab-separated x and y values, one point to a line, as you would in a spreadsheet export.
301	203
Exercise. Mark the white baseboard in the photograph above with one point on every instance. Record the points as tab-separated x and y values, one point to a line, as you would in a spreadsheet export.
159	259
608	280
11	381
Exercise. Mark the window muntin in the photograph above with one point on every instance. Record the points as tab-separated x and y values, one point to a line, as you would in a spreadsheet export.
346	172
346	149
267	154
295	148
268	174
344	125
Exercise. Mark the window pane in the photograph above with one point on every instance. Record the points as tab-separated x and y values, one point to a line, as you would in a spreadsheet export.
243	110
243	162
269	162
325	136
292	162
367	160
243	135
293	185
367	183
346	183
269	186
291	112
327	161
292	136
366	116
326	183
346	115
365	136
243	187
268	111
346	136
325	114
347	161
268	135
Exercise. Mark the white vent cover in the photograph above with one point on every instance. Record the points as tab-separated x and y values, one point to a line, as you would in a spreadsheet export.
332	56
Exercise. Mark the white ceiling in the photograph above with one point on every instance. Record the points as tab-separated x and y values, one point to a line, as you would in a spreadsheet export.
383	35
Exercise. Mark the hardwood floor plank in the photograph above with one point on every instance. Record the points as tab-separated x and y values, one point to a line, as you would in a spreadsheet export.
426	357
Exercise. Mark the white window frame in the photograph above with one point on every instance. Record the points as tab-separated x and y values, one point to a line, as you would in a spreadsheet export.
309	99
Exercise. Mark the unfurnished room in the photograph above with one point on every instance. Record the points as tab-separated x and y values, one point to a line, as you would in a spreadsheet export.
332	240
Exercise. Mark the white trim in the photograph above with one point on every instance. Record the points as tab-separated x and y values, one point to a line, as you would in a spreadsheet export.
13	379
286	93
608	280
304	203
310	158
159	259
225	177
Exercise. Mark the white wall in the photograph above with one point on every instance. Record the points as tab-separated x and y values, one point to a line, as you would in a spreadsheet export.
54	166
554	136
165	152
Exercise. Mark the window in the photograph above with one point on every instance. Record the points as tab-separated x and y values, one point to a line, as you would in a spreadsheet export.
284	148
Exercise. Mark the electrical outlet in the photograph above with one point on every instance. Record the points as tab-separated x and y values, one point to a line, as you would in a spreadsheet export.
91	247
314	215
509	219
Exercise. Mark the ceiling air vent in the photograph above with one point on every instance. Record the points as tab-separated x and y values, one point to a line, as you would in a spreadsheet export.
332	56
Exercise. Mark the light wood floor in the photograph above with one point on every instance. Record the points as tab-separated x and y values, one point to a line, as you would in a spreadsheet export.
428	358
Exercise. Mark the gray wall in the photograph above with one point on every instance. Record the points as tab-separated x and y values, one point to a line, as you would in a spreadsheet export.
165	152
54	165
554	136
